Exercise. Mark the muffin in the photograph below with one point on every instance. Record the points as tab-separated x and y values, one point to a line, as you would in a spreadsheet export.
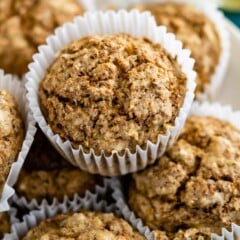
197	32
84	226
112	92
11	134
46	175
25	24
4	224
193	190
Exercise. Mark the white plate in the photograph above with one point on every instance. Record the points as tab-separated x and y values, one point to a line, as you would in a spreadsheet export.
230	91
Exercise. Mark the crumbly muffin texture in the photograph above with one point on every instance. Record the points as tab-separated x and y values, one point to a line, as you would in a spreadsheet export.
47	175
84	226
25	24
188	234
4	224
11	134
112	92
42	184
196	31
194	189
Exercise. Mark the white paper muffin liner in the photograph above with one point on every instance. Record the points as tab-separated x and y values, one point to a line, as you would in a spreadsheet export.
16	89
23	203
88	5
216	110
137	24
91	201
211	11
124	210
222	112
228	235
12	213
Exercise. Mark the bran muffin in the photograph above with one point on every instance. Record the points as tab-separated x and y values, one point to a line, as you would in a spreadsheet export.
193	190
112	92
46	175
196	31
11	134
25	24
84	226
4	224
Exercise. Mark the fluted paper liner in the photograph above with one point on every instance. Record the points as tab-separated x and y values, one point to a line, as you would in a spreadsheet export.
216	110
13	86
23	203
91	201
234	234
222	112
211	11
124	210
12	213
138	25
88	5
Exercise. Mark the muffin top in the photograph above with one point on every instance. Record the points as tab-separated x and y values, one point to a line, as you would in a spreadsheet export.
194	188
186	234
43	184
45	167
196	31
84	226
4	224
11	134
25	24
112	92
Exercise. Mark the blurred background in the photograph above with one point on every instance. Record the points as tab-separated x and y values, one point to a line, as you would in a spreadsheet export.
231	9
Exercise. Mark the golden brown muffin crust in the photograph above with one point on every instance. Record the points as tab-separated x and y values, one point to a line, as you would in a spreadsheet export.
84	226
4	224
40	184
195	185
25	24
112	92
196	31
11	134
189	234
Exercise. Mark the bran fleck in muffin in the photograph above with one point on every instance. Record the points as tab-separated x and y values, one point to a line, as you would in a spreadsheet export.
197	32
11	134
25	24
84	226
112	92
193	190
46	175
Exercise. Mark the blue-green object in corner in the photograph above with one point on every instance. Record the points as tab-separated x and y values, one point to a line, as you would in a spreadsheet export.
234	17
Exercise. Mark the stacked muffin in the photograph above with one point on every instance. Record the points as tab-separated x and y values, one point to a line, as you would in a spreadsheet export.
193	190
113	83
113	98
